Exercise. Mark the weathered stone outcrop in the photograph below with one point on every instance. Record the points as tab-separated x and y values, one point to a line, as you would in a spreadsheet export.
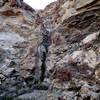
17	20
57	48
17	26
76	23
70	10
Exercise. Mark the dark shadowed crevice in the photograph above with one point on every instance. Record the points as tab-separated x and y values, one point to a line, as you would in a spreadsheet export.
43	67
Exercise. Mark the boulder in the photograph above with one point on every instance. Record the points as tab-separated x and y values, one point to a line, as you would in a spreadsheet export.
88	57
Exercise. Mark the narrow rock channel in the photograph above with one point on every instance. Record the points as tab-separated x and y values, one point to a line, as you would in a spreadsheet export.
42	50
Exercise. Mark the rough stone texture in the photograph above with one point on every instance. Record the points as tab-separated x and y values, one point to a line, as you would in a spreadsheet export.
72	10
17	40
76	22
57	48
19	22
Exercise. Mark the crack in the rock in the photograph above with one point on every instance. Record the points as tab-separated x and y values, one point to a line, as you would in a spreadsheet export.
43	67
43	50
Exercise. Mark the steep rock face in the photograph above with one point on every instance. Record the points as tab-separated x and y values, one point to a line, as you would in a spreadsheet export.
17	23
60	44
62	10
17	36
74	54
75	42
16	19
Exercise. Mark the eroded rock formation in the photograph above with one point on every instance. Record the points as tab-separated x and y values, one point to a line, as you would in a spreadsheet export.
56	48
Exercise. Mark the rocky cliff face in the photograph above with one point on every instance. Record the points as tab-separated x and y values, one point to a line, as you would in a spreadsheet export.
77	27
65	9
17	33
57	49
75	49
